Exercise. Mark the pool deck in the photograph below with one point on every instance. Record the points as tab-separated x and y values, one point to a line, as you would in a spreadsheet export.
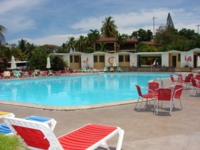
143	129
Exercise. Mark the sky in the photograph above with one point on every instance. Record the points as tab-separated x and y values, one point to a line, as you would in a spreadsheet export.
54	21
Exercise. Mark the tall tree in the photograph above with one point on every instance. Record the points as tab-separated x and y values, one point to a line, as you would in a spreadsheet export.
169	23
22	45
109	29
188	33
121	39
143	35
2	37
92	37
80	44
71	43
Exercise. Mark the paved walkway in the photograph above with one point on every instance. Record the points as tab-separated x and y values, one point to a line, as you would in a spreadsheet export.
143	129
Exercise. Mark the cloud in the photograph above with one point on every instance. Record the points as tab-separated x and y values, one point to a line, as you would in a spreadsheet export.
64	20
55	39
16	5
15	15
132	21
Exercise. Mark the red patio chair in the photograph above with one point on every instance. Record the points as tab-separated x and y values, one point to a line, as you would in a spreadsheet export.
173	81
164	94
197	77
1	76
186	82
195	86
24	74
30	73
38	135
143	97
177	92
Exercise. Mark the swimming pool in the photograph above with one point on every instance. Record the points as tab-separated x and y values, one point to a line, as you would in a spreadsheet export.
76	90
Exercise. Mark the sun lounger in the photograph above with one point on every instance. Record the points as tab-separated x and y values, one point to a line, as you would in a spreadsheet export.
4	129
6	114
105	69
6	74
16	73
38	135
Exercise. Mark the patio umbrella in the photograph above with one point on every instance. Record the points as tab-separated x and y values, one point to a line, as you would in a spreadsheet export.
154	63
13	64
48	63
198	61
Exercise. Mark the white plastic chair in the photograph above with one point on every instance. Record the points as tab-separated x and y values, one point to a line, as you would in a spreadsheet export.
6	114
38	135
4	129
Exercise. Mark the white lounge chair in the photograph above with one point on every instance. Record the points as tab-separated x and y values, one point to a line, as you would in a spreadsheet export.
6	114
39	136
4	129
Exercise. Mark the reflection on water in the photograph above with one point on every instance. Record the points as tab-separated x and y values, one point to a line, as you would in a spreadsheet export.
75	91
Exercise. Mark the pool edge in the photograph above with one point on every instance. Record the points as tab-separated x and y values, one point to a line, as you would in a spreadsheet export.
68	108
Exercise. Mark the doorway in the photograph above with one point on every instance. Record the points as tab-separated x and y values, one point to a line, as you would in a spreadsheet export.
173	61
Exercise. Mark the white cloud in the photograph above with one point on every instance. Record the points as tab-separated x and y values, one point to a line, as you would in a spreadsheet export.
55	39
9	5
126	23
14	15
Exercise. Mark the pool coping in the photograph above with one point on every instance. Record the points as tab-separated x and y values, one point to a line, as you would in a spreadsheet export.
68	108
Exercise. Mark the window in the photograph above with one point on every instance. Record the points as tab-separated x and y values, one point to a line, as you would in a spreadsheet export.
101	58
95	58
179	57
127	58
76	59
19	64
121	58
71	59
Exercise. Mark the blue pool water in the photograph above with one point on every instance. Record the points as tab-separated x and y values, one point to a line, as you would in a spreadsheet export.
76	90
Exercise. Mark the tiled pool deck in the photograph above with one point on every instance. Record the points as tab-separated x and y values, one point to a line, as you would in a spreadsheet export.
143	129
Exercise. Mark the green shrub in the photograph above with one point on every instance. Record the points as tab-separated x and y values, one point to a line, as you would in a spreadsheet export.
11	142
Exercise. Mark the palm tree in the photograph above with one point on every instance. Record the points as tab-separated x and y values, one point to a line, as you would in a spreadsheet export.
121	39
109	29
2	30
80	43
93	36
71	43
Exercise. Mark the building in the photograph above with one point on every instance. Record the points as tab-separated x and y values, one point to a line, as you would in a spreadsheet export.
98	59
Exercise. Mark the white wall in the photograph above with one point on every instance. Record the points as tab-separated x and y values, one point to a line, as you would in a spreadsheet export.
107	56
165	59
67	58
87	60
133	60
187	59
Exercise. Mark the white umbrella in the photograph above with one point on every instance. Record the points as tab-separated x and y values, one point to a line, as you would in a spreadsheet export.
198	61
114	62
74	49
13	64
48	63
154	63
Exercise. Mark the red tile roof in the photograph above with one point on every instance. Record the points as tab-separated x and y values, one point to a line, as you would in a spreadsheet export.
112	39
149	43
107	39
131	40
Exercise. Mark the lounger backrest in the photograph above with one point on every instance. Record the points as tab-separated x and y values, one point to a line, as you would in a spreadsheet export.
34	134
164	94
